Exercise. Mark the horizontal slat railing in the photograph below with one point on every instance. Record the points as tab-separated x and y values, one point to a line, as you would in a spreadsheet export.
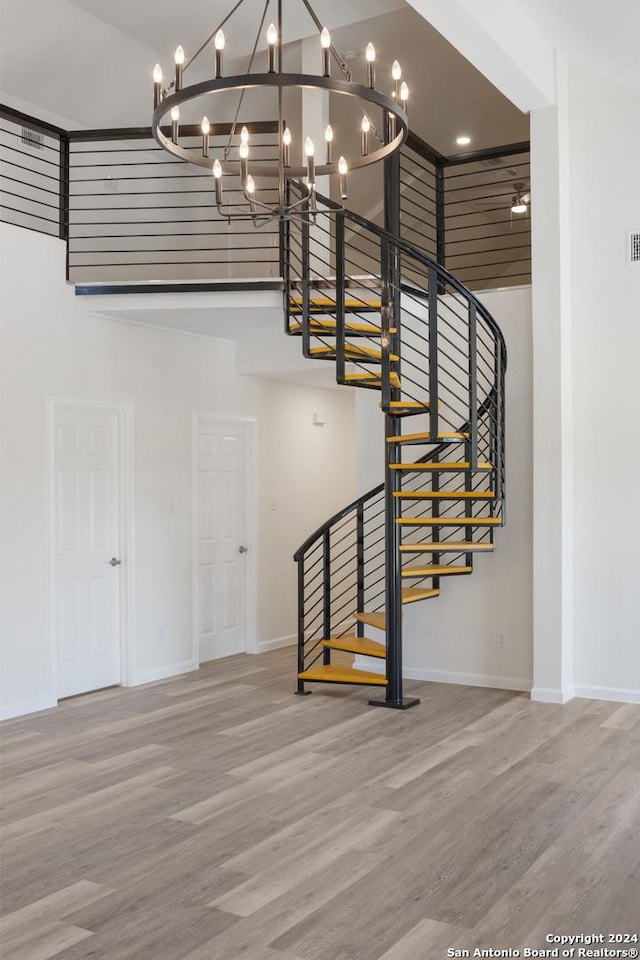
448	344
137	214
32	158
458	211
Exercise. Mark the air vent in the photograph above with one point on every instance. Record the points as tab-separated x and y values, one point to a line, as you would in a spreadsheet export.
31	138
494	162
633	246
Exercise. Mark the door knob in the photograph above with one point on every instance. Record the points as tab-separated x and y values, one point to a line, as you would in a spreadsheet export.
243	549
114	562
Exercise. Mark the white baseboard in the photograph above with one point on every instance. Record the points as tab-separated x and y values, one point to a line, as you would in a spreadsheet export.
163	673
616	694
448	676
265	645
552	694
11	710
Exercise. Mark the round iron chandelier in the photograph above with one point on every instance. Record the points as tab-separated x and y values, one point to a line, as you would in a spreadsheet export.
375	140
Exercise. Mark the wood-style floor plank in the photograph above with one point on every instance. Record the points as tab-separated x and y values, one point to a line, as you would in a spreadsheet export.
216	816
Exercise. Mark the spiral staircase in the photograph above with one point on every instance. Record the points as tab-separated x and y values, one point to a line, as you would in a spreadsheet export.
392	320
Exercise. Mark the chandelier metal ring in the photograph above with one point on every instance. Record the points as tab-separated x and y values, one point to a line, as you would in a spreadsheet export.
281	80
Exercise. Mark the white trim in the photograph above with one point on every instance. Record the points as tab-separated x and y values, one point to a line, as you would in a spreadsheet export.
496	682
616	694
164	673
552	694
22	707
124	416
265	645
251	507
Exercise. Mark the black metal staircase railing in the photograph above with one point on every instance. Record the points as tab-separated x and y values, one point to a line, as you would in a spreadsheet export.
429	347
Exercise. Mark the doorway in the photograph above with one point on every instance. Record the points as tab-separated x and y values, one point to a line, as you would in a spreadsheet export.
91	553
224	537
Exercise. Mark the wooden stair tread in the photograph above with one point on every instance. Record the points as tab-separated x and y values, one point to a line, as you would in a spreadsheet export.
377	619
319	304
327	325
359	645
351	351
450	521
434	570
340	673
412	437
448	546
408	405
375	379
445	494
433	465
411	594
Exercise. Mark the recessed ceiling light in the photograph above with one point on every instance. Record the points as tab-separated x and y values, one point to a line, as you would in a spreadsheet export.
463	141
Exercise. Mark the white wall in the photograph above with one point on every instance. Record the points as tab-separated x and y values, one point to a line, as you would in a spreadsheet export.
604	137
455	637
54	347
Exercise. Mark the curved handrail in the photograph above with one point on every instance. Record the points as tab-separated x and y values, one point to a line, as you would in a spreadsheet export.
423	258
443	274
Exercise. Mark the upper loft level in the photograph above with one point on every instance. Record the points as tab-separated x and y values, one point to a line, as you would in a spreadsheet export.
131	214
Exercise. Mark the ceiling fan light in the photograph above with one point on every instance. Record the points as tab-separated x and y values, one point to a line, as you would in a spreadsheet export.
519	208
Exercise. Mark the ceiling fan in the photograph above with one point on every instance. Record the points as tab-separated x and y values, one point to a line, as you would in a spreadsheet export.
520	201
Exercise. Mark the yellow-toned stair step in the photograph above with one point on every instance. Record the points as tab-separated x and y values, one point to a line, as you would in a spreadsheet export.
337	673
408	406
448	546
378	618
450	521
328	325
417	437
327	304
445	494
411	594
444	465
359	645
434	570
372	379
352	351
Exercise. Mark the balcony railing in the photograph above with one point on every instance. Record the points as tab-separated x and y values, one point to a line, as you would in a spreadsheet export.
130	213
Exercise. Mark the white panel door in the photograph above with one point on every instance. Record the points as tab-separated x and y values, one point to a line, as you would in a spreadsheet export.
86	516
220	533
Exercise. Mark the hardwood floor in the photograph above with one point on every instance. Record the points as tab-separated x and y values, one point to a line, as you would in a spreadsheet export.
217	817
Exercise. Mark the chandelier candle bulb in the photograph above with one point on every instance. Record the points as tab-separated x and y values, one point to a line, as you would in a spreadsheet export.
286	147
325	43
343	170
179	58
370	54
219	47
328	136
391	126
250	189
366	127
309	150
157	85
206	128
396	73
217	173
175	124
244	135
272	40
404	95
244	162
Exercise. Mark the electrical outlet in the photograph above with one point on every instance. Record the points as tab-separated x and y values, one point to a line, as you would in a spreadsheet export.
500	641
